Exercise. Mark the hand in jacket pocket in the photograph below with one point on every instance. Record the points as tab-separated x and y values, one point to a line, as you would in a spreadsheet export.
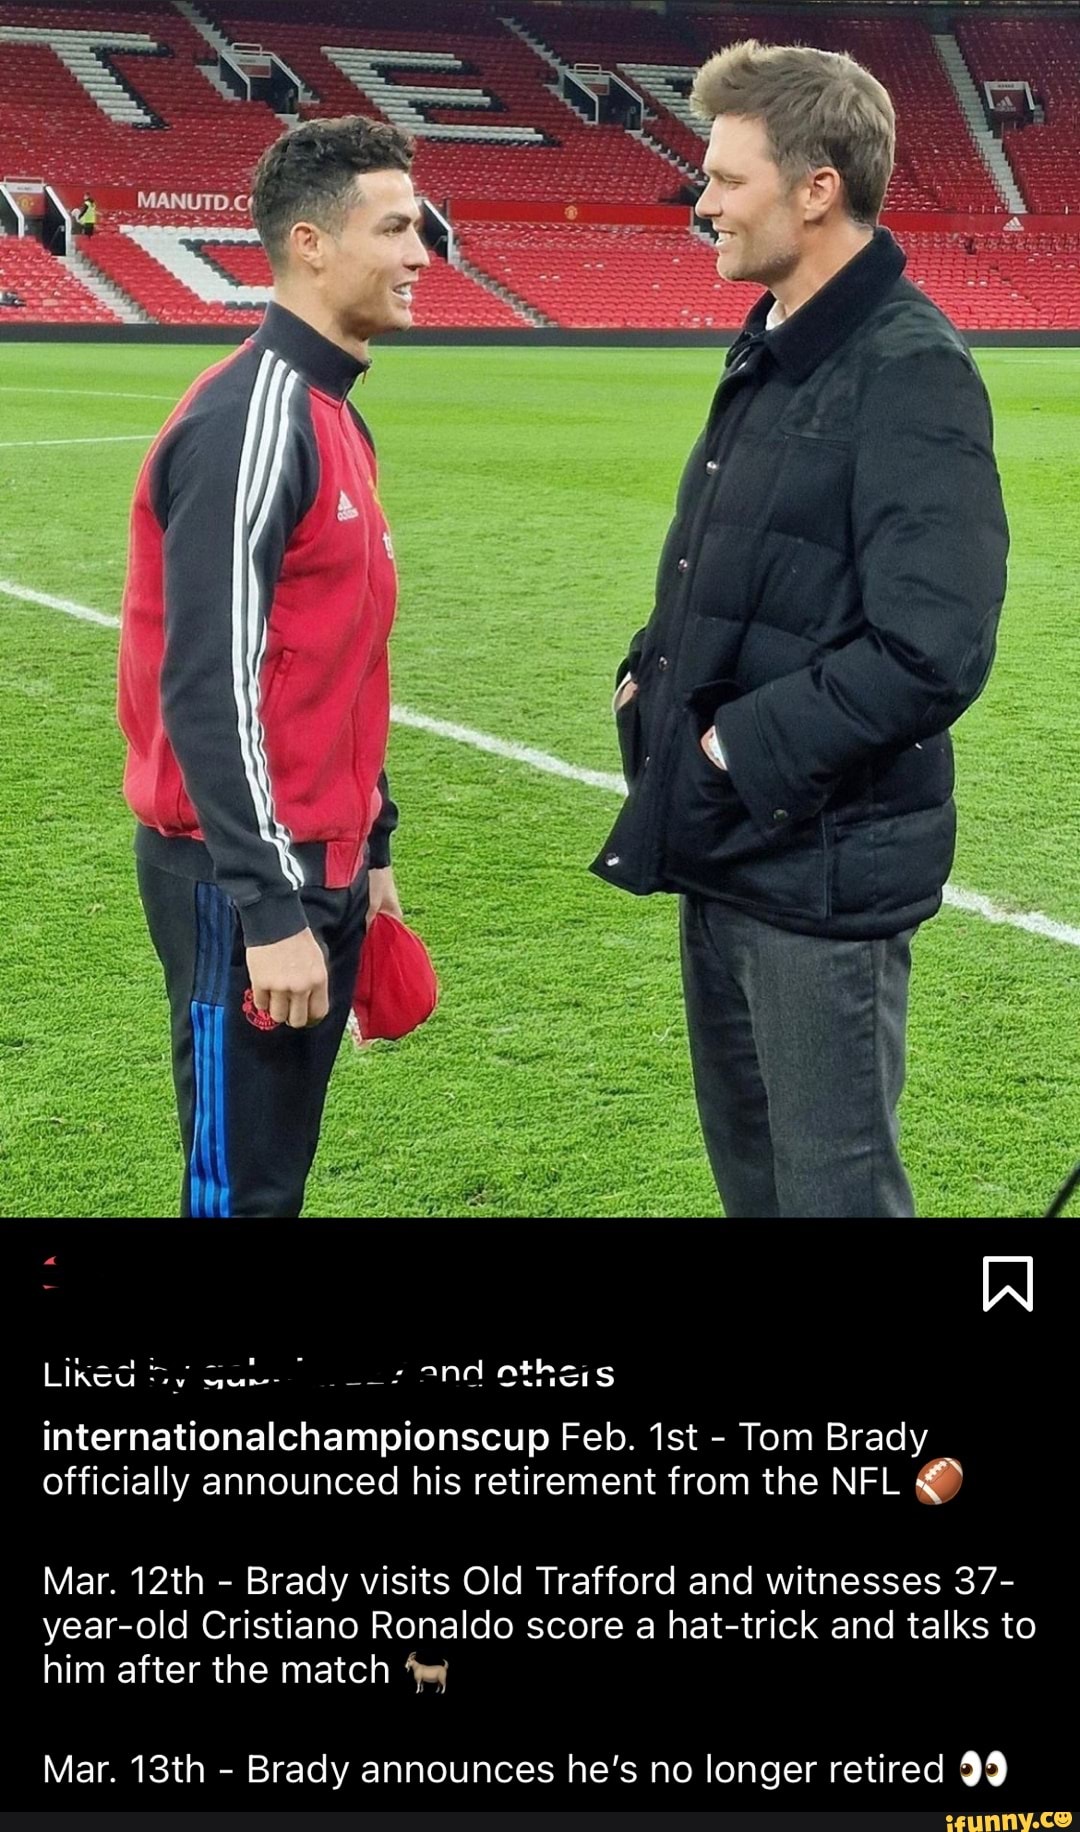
710	744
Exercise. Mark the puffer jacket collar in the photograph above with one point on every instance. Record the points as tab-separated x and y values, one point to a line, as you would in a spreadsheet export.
830	315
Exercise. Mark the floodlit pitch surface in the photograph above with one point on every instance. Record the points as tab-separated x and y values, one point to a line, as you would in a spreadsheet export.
528	493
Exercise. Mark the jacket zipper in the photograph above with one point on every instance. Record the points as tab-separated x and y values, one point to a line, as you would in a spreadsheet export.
654	845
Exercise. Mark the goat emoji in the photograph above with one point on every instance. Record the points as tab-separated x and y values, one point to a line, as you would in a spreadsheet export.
427	1675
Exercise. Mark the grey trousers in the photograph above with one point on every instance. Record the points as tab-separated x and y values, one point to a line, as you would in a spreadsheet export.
797	1045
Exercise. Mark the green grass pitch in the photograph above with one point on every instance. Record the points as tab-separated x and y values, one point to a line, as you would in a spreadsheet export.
528	491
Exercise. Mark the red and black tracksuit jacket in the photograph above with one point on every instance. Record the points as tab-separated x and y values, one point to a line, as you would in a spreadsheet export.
254	685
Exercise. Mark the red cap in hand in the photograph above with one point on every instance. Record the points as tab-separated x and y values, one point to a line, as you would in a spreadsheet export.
396	988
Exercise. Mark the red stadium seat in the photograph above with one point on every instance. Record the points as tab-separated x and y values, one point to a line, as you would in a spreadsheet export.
1046	54
49	293
191	139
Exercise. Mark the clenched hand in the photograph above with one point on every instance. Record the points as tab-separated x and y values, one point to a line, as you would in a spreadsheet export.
289	980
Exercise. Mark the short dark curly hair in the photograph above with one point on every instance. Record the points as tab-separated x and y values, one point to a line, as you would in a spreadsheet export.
309	173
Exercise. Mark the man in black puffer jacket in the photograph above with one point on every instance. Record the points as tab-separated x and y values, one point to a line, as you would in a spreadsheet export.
826	607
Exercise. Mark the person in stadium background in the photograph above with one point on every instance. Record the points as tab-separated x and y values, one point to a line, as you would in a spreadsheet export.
826	608
253	676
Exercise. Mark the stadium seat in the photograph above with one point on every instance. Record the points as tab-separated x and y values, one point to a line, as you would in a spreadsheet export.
1044	53
170	131
49	293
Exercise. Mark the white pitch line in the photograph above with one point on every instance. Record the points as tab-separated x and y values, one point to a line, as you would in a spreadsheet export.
500	747
93	394
70	609
1032	922
10	445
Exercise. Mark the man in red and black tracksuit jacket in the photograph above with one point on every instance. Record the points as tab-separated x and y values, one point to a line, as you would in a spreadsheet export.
254	684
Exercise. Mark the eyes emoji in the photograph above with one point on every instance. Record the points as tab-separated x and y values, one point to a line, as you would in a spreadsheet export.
972	1771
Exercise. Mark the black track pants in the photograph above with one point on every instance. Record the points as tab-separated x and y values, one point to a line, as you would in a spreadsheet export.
250	1101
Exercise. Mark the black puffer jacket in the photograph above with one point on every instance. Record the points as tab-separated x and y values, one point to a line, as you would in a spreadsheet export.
828	594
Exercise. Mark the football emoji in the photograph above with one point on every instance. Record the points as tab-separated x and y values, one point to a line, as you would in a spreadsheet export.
939	1481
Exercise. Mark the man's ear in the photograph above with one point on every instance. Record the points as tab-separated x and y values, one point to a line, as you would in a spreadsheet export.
307	245
823	189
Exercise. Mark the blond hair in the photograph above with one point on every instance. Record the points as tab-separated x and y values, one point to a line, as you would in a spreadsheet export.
818	108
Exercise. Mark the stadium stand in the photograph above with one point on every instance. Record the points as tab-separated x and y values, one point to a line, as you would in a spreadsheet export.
1046	54
127	95
626	277
444	295
997	285
543	149
609	279
937	165
157	288
49	293
179	119
148	259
